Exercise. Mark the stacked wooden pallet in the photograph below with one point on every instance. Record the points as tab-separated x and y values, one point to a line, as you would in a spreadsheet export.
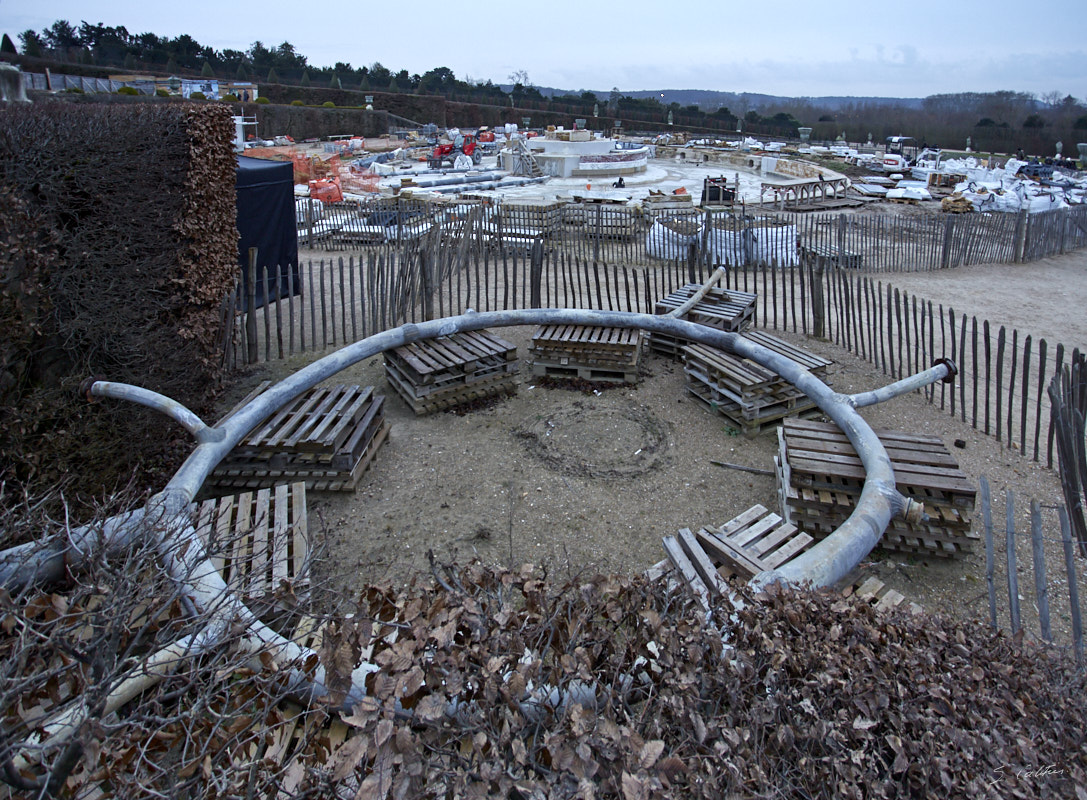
843	258
723	309
658	205
820	477
755	541
749	395
258	541
435	374
593	353
326	438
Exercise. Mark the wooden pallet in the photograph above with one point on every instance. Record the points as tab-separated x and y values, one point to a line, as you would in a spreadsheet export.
258	540
453	395
843	258
748	394
460	358
591	345
815	364
436	374
722	309
327	437
592	353
752	542
750	422
820	479
877	594
602	374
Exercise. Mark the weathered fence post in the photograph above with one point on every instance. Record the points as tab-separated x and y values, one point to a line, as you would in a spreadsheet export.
990	560
309	222
599	231
1041	588
428	255
1021	225
536	274
945	255
818	329
1009	545
1073	589
251	306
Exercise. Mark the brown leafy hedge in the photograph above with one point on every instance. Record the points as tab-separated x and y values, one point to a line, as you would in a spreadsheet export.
814	696
809	695
117	243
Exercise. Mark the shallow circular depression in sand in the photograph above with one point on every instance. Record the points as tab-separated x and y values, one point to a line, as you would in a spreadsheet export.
580	439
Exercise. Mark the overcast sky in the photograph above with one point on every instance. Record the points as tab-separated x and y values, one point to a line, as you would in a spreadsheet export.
787	47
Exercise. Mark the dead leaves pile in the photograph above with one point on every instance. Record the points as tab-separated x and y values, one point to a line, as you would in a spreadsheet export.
503	684
499	683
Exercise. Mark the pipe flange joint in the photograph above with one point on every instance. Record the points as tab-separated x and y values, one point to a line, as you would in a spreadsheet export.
913	512
952	369
85	389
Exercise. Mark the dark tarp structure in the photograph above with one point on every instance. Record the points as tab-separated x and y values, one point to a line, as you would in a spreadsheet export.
266	222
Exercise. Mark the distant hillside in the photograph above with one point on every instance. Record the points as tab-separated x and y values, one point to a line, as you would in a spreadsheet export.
709	101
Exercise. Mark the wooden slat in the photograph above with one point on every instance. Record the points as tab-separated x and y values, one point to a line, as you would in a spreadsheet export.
740	520
300	540
701	562
734	559
261	533
280	533
791	548
686	570
242	549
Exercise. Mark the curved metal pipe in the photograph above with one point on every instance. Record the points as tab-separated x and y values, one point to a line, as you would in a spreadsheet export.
691	302
824	564
943	370
159	402
33	563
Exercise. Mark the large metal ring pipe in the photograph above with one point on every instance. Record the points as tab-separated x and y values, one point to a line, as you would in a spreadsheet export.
824	564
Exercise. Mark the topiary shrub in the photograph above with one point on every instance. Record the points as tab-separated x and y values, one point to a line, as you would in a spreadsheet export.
129	90
161	93
328	104
263	101
229	98
198	96
297	103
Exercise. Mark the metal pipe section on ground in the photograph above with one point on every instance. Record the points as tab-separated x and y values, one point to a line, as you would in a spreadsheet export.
187	560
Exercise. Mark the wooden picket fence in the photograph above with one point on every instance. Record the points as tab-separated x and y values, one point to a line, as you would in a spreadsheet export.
1001	388
874	241
1043	603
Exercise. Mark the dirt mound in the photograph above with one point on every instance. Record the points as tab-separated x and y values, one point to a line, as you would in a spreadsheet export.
580	439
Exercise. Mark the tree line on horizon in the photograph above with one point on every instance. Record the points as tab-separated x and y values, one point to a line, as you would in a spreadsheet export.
1002	121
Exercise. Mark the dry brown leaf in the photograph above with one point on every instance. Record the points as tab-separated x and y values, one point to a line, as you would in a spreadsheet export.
651	751
349	756
431	708
633	788
377	784
383	731
364	712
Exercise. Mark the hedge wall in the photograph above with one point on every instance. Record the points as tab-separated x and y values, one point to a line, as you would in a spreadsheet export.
313	123
119	240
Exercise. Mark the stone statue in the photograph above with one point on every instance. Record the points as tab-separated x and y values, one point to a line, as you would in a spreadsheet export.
11	85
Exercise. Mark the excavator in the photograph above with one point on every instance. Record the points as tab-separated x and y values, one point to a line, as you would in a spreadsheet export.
461	146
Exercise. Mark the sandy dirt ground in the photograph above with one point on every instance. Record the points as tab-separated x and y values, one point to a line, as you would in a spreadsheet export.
587	482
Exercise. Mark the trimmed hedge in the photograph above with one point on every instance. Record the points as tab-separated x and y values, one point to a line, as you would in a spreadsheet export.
120	240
